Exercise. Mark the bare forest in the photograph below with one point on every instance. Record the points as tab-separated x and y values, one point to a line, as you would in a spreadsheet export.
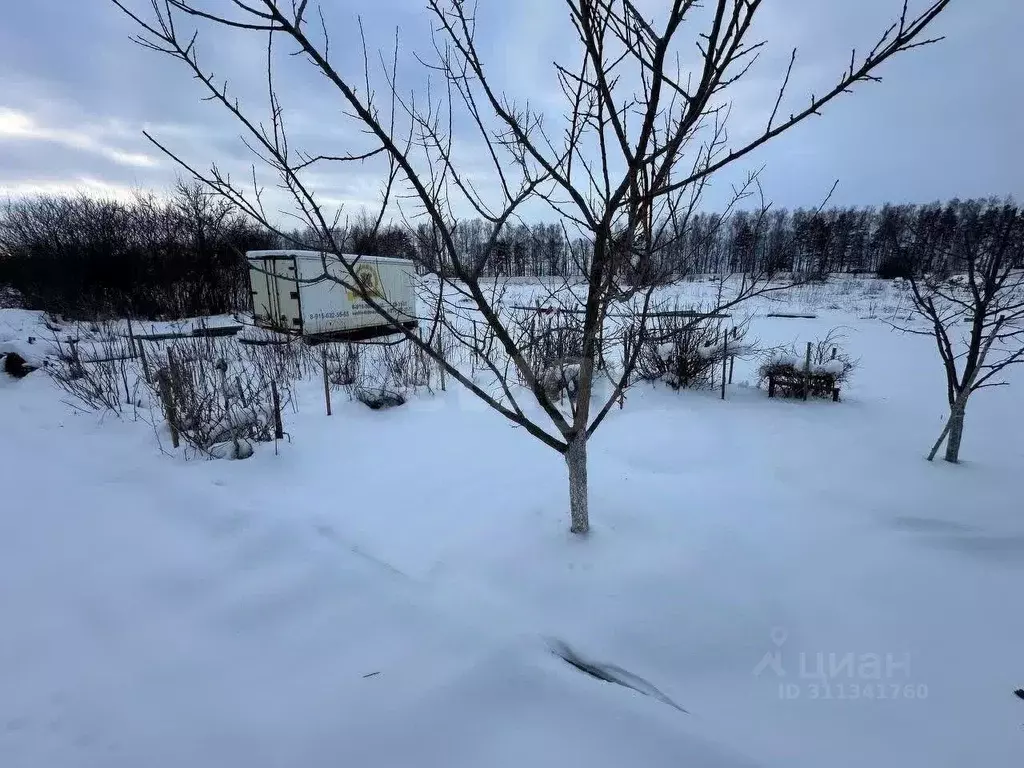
183	255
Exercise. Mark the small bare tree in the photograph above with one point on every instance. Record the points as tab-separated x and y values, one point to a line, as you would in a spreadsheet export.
981	286
623	165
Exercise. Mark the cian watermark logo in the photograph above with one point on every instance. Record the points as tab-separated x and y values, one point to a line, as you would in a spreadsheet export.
843	675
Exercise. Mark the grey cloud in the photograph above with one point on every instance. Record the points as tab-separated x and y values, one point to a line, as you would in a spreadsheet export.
945	122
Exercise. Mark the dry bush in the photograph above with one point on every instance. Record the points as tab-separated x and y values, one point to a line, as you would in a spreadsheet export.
282	362
407	366
546	338
552	344
219	391
100	386
103	377
10	298
380	368
219	398
685	351
343	364
178	256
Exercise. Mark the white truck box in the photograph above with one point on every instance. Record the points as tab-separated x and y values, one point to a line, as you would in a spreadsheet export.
291	293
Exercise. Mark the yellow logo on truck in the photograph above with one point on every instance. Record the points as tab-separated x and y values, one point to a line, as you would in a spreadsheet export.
369	277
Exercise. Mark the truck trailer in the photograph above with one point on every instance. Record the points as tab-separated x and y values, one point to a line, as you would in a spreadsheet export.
292	293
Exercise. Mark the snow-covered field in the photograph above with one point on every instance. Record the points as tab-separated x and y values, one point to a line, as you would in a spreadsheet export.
387	590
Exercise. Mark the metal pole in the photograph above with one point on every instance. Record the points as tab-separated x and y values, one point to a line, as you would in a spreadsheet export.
327	383
725	360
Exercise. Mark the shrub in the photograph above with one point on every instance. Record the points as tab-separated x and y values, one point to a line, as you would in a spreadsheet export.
384	371
221	394
217	395
93	365
552	345
685	352
146	258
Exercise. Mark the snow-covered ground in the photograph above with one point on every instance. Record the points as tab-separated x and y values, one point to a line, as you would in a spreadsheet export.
388	589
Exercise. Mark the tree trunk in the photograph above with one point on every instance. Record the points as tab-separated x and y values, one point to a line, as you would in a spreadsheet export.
576	460
956	432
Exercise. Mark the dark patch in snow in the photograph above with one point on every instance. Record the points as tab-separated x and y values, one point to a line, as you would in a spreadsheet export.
1019	693
16	366
609	673
329	533
370	674
377	399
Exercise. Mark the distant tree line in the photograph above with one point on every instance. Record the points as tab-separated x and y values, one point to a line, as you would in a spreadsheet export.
891	241
184	255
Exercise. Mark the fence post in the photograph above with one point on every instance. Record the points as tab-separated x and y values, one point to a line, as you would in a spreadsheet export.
164	380
131	339
476	347
725	360
327	383
241	393
276	401
76	363
124	380
145	361
440	363
172	365
807	371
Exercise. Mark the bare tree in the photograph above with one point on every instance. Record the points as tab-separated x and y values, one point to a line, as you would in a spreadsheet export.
623	165
981	286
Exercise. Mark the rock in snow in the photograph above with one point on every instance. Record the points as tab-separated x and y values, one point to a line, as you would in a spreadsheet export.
16	366
379	398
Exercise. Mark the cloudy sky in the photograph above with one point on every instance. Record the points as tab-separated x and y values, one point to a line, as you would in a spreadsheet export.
947	121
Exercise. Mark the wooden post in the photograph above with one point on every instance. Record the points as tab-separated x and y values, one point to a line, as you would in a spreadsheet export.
834	351
276	401
440	363
807	371
732	364
771	386
124	380
241	393
713	367
145	362
131	338
164	380
725	360
172	364
327	382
